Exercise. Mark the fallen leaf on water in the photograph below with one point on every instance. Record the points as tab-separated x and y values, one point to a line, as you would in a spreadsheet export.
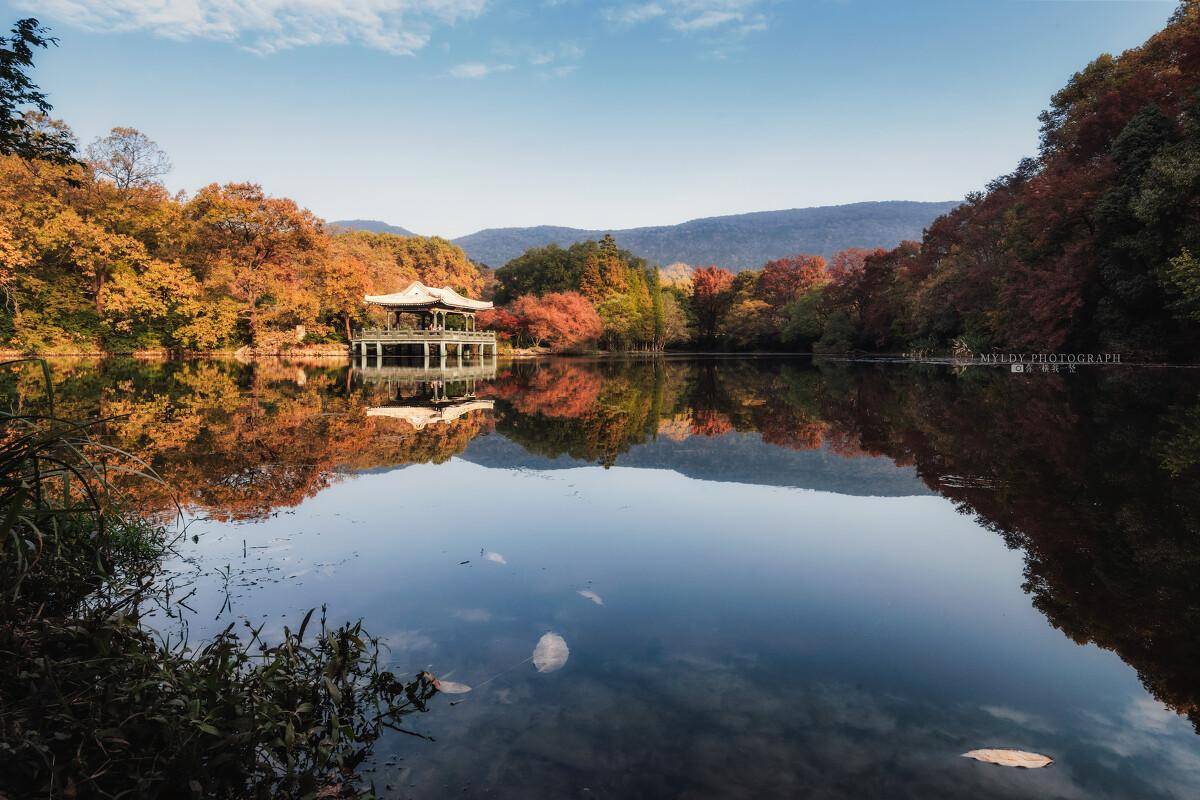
450	687
590	595
495	558
1011	758
551	653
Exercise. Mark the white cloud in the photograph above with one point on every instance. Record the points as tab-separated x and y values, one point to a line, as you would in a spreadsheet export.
709	19
477	69
729	17
632	15
401	27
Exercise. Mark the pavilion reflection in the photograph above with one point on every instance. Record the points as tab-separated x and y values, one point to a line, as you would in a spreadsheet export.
423	395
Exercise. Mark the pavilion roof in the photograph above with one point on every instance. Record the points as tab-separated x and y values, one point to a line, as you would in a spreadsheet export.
420	416
419	295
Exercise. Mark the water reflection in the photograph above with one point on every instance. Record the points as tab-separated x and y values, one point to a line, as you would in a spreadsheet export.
424	396
1092	479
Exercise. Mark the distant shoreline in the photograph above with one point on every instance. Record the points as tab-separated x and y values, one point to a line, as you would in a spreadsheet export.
526	354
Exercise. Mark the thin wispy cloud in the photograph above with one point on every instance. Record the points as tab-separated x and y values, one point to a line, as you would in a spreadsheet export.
477	69
401	27
738	17
565	51
634	14
547	60
709	19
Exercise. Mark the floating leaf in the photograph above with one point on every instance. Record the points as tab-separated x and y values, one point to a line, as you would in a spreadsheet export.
590	595
450	687
1011	758
551	653
495	558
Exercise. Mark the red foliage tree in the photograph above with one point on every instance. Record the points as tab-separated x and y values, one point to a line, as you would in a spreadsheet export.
711	299
505	323
558	390
562	320
850	261
783	280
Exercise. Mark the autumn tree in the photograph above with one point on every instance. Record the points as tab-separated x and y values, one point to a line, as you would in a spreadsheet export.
260	251
622	287
613	264
503	321
562	320
128	158
591	278
344	279
436	262
711	300
786	279
849	262
157	303
674	316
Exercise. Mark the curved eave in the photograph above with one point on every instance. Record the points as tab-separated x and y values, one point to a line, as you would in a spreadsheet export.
425	304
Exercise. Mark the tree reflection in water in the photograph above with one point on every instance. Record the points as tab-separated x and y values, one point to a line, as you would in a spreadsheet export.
1094	476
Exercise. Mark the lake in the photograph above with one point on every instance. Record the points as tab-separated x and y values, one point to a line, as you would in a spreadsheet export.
762	577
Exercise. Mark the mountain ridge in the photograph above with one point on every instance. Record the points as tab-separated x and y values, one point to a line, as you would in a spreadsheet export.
736	241
372	225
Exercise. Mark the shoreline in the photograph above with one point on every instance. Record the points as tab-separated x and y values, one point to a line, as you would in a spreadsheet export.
246	354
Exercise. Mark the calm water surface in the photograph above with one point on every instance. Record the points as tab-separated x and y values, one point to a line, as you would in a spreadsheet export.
774	578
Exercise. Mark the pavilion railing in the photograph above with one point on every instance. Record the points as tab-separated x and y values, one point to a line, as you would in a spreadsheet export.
414	335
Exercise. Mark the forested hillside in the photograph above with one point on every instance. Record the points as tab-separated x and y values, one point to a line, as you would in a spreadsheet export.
97	263
97	256
740	241
1092	246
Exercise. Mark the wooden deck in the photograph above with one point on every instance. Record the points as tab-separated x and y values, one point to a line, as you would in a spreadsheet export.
426	343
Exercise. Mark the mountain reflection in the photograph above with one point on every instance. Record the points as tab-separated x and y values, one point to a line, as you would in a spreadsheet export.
1094	476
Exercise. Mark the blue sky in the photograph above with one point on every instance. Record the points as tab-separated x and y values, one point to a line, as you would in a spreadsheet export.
446	116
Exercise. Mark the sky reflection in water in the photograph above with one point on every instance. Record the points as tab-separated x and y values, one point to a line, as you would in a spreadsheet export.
773	578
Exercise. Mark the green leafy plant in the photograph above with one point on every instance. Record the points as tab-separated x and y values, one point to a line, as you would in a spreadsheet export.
93	704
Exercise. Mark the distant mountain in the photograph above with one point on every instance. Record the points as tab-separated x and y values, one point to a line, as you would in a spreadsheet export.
737	242
373	225
734	457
